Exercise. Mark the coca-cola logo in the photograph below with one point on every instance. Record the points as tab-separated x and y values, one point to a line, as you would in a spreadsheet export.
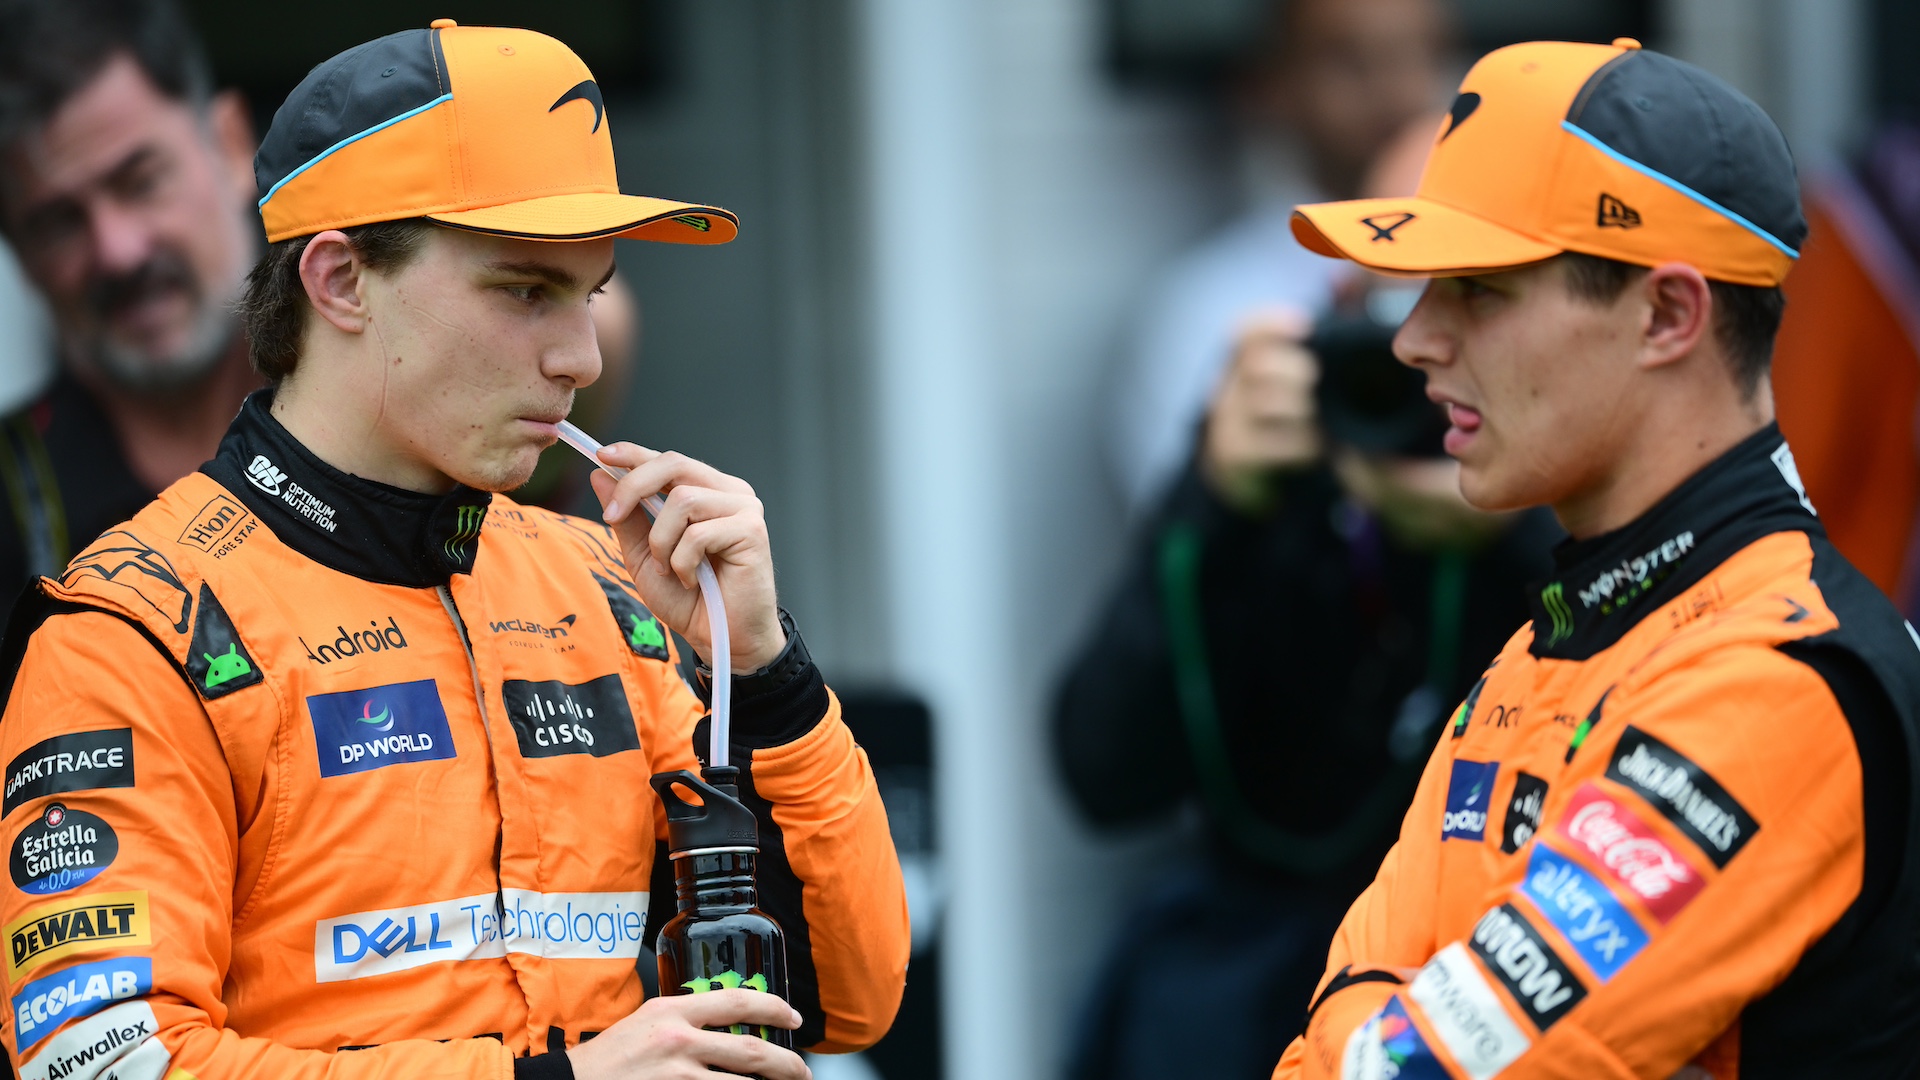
1636	856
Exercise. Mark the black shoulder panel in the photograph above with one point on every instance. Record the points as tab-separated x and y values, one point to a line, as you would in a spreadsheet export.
31	611
1851	1007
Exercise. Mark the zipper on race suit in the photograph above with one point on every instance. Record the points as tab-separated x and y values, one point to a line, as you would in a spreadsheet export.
473	666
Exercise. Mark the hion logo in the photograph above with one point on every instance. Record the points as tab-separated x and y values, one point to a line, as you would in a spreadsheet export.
587	90
1463	107
264	476
1383	225
1615	214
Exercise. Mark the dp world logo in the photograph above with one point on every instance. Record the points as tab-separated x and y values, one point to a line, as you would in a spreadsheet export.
361	730
1469	793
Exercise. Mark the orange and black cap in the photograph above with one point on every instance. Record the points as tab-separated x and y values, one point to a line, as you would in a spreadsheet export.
487	128
1613	151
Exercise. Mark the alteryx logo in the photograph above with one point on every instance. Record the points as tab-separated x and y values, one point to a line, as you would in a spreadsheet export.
575	926
360	730
1469	793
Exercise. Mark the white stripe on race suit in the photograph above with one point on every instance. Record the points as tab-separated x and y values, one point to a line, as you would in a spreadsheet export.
86	1048
1466	1014
563	926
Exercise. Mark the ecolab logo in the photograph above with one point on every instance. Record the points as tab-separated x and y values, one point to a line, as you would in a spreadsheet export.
1469	793
71	993
566	926
264	476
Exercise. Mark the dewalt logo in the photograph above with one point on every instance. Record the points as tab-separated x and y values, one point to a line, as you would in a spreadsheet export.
73	926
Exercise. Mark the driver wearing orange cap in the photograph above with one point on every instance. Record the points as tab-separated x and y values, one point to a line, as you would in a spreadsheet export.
333	761
1671	832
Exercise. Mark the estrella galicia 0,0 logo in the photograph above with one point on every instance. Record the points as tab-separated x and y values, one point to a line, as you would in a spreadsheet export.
361	730
61	849
1469	795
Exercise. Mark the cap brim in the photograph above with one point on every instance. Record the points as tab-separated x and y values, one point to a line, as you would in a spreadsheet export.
1413	236
591	215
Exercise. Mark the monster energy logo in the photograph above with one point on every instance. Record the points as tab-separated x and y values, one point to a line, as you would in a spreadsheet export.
1555	601
466	526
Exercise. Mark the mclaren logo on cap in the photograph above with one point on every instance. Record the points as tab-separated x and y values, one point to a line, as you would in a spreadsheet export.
1463	107
1616	214
588	90
1383	225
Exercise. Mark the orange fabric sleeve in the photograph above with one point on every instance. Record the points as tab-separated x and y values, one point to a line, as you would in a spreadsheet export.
1655	981
174	811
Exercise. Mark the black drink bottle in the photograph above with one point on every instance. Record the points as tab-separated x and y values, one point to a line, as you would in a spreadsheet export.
720	939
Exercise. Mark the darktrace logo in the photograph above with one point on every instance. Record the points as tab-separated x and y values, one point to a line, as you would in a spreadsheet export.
61	849
524	626
1523	811
262	474
81	761
1384	225
81	924
348	643
362	730
555	718
1469	794
586	90
1614	214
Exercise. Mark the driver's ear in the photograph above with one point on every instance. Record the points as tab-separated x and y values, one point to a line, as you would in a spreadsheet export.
1679	313
331	273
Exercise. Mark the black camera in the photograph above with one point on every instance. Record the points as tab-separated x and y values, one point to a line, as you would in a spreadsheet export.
1367	399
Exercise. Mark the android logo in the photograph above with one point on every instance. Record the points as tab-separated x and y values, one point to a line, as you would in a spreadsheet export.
731	980
646	633
226	667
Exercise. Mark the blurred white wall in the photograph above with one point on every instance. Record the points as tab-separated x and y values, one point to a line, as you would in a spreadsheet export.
1018	204
26	349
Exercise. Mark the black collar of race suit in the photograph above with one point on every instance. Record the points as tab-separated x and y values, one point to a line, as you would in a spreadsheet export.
1605	585
360	527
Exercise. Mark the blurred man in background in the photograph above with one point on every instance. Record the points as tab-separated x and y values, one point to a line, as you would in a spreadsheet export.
1282	649
1332	82
126	187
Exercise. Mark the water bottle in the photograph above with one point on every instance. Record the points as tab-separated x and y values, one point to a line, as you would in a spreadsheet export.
719	939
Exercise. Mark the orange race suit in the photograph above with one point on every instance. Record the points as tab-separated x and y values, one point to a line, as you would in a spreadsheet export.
1671	829
299	763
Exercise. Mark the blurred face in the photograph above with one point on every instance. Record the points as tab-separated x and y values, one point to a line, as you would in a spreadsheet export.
482	341
132	213
1354	74
1537	382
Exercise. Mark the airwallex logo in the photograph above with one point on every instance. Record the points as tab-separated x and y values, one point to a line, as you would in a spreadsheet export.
361	730
1469	794
563	926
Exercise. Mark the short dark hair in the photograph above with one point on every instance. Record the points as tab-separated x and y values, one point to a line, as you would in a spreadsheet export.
1745	317
51	49
274	307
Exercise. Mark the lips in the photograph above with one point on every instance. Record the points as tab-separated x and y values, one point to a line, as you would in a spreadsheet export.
1464	418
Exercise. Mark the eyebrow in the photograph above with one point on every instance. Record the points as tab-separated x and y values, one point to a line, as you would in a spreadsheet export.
552	275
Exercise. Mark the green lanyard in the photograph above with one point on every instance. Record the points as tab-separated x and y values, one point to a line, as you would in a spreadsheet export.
1307	855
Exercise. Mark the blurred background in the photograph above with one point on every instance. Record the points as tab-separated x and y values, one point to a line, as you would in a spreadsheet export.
957	216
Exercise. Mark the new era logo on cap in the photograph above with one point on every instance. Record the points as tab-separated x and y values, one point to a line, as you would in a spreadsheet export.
1616	214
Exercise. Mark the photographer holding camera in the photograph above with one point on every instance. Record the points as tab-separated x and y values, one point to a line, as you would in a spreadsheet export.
1283	646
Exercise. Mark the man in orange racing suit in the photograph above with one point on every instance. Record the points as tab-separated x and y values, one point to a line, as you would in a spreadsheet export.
1670	832
333	761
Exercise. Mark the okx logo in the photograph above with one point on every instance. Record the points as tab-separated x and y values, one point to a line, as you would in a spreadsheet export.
361	730
1469	793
